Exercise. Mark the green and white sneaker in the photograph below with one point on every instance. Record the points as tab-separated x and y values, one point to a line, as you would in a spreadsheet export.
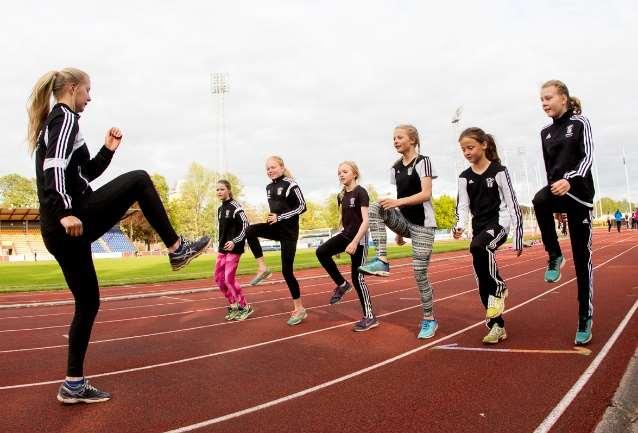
233	310
297	318
495	335
243	313
583	333
260	277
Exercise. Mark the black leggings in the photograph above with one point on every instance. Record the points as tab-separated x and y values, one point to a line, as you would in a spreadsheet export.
579	220
483	248
335	245
288	251
101	210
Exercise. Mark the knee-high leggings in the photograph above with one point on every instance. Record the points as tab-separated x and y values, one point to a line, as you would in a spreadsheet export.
99	211
288	251
335	245
422	240
225	269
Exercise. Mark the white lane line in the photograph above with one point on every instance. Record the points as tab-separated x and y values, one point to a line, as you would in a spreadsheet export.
367	369
178	299
562	406
179	361
374	282
194	328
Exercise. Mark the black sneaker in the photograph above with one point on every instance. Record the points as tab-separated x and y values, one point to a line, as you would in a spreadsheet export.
85	393
339	292
187	251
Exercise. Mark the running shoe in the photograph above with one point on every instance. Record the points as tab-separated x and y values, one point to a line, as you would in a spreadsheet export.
428	328
583	333
244	312
260	277
297	317
85	393
339	292
376	267
365	324
187	251
232	312
495	305
495	335
554	265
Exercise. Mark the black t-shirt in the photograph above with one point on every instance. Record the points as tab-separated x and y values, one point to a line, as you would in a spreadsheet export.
351	204
407	179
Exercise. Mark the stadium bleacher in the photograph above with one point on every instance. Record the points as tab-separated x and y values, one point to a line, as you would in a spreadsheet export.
117	241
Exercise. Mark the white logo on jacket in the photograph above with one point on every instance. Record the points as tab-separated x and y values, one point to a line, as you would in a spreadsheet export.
227	213
490	182
280	190
352	199
549	135
570	131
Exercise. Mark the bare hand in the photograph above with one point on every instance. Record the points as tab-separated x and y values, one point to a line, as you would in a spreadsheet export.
72	225
113	139
228	246
560	187
389	203
352	248
456	233
272	218
399	240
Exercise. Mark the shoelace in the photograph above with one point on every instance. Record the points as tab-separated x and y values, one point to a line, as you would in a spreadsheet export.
552	263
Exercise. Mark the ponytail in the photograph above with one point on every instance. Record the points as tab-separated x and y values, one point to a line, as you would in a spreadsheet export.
413	134
477	134
50	84
573	103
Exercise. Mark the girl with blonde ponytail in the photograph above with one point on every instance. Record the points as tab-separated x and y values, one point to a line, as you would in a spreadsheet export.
72	215
354	202
286	204
568	151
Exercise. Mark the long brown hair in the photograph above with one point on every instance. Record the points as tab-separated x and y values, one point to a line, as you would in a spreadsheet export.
573	103
491	153
50	84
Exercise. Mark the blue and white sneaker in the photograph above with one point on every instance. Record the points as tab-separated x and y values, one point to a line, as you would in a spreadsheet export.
84	393
583	333
554	265
428	328
376	267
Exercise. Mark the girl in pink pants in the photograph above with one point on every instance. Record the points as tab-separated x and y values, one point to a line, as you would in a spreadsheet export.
232	237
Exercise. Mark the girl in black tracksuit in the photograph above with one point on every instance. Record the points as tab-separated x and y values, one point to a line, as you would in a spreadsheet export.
354	202
286	204
73	215
485	191
568	151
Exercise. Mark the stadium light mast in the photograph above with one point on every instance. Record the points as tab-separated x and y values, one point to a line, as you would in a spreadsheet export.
624	163
219	87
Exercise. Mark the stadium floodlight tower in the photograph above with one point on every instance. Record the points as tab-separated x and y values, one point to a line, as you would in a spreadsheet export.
624	163
456	121
220	86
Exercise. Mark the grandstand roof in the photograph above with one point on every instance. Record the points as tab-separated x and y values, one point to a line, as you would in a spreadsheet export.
33	214
19	214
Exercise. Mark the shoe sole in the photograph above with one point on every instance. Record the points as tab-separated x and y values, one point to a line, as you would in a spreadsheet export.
190	259
365	329
376	273
81	400
559	273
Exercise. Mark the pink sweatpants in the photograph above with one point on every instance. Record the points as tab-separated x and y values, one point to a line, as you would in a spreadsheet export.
225	269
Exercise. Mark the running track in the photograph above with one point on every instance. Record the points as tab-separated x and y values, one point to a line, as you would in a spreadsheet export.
172	363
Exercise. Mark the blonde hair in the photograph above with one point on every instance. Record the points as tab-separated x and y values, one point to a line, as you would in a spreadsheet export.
413	134
355	171
50	84
280	161
573	103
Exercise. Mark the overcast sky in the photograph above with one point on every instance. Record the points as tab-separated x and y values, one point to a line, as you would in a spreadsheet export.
319	82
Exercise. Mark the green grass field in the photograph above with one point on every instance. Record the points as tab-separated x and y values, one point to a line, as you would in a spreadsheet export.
28	276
